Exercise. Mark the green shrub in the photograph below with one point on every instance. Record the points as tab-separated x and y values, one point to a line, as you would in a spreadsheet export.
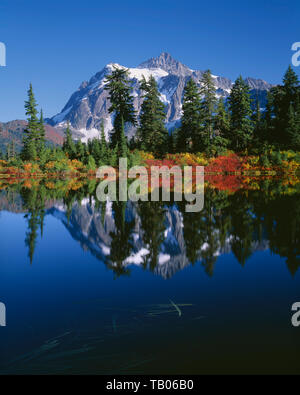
276	158
264	160
91	165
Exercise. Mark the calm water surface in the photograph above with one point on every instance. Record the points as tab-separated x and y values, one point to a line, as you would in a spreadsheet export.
133	288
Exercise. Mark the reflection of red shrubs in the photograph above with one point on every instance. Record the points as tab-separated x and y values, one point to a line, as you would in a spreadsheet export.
230	183
224	164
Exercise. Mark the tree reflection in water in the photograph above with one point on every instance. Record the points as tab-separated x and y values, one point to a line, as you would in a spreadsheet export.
239	222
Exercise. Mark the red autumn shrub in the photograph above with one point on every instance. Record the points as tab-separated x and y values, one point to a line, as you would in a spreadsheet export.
224	164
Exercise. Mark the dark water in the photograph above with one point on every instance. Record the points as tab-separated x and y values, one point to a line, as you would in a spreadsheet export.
147	288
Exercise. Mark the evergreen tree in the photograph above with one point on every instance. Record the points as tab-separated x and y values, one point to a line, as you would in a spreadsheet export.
41	135
221	127
290	85
241	128
284	100
113	156
96	150
293	128
208	93
171	142
68	144
293	120
119	88
31	133
104	147
89	146
295	138
189	135
221	120
91	163
257	125
133	143
267	124
152	132
80	150
122	146
256	115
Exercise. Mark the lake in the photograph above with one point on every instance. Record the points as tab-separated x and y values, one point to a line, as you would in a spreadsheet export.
146	288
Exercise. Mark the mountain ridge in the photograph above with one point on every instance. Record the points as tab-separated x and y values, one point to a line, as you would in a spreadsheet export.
88	106
13	131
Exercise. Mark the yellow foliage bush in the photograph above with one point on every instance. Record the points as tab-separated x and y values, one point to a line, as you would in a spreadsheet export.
253	160
146	155
50	185
188	159
27	167
50	165
76	164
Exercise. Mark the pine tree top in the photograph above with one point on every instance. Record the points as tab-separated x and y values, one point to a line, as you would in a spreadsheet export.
290	78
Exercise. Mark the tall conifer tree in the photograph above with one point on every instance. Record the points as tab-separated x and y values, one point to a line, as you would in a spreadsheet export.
41	135
221	120
68	144
189	136
285	102
31	133
119	88
209	100
257	125
103	146
241	128
152	133
293	126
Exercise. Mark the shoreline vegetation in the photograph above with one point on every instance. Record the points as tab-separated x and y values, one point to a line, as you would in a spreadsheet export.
219	174
233	138
226	164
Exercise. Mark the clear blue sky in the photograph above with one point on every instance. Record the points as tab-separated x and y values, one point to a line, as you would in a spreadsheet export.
58	44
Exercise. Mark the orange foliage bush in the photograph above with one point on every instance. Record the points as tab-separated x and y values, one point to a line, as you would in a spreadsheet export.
27	167
225	164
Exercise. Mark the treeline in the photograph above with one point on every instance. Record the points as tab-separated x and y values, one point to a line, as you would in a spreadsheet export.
94	153
212	125
208	124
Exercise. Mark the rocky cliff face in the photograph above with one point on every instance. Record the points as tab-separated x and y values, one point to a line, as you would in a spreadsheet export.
88	106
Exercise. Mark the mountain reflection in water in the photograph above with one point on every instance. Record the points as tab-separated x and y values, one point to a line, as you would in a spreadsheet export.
144	287
161	236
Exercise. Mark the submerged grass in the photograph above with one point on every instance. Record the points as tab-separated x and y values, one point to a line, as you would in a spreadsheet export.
83	351
176	307
165	308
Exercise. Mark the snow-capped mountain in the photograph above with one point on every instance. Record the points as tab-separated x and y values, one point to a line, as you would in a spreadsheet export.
88	106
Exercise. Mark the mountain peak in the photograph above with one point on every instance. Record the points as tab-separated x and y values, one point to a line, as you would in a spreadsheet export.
166	62
89	106
166	57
